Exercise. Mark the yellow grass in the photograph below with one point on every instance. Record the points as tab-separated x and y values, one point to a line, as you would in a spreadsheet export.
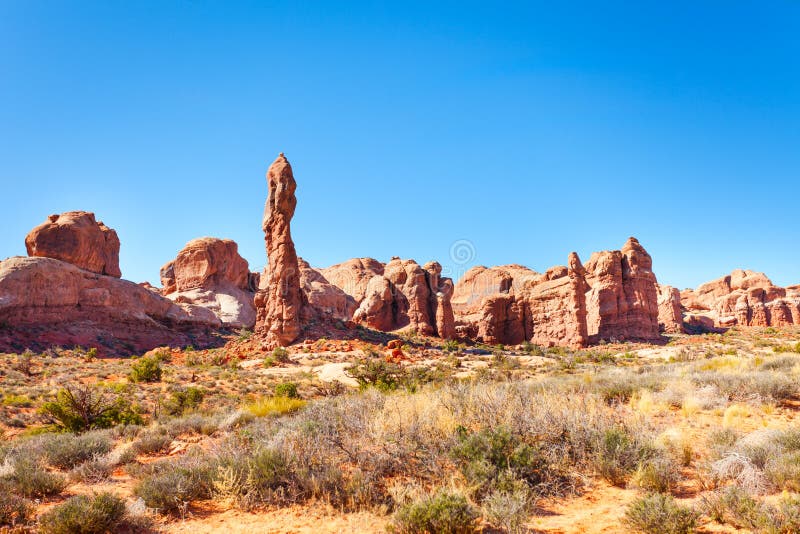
274	406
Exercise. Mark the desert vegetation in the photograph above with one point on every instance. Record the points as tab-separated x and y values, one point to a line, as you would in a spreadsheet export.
695	436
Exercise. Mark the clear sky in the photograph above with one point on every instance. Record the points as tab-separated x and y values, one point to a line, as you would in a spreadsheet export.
528	129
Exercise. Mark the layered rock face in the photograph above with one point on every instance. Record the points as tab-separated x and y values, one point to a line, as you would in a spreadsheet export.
210	273
48	301
613	297
279	301
405	295
324	299
742	298
670	315
353	276
77	238
623	300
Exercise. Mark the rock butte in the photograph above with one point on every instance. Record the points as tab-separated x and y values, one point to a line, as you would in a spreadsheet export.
70	292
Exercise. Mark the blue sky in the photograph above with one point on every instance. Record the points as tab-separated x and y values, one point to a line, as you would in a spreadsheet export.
526	129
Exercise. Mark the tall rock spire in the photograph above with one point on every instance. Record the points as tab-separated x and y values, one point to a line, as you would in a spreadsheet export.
280	300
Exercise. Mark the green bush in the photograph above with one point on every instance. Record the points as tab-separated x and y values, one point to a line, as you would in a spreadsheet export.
618	454
495	459
443	512
65	451
98	514
377	373
83	407
14	510
660	514
288	390
146	369
184	400
280	354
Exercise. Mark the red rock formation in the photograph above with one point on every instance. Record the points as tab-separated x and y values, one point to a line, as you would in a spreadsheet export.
614	297
47	302
210	273
279	303
742	298
353	276
325	299
556	306
400	294
622	303
77	238
670	317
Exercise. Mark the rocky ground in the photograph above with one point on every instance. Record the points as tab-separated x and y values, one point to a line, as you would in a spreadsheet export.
370	427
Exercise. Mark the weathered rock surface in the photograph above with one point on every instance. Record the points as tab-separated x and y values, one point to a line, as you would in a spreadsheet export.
353	276
46	302
613	297
280	300
325	299
670	316
77	238
210	273
406	295
742	298
622	303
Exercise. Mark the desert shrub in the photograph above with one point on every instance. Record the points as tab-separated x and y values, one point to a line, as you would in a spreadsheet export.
184	400
735	506
14	510
274	406
255	478
660	514
491	459
287	389
146	369
442	512
375	372
656	475
65	451
172	485
92	471
83	407
533	350
508	509
152	442
31	480
280	355
618	454
84	515
23	363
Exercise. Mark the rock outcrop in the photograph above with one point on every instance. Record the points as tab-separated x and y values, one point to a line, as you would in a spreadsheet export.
280	300
77	238
614	297
406	295
670	315
742	298
47	302
324	299
353	276
622	302
210	273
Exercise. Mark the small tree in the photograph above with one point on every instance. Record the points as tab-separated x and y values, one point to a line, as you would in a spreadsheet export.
83	407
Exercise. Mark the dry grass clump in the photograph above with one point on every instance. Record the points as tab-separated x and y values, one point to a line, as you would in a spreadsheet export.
658	513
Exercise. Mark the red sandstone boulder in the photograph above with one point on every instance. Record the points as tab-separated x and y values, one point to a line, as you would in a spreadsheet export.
353	276
325	299
280	301
209	272
77	238
47	302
